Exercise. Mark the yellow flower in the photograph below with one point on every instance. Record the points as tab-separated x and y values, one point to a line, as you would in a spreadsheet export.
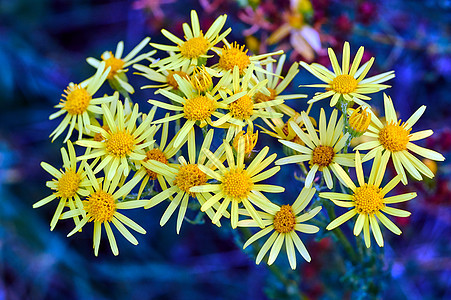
183	177
274	88
79	104
101	207
194	107
250	140
347	81
118	65
395	139
368	201
234	55
321	152
69	185
120	143
238	184
196	45
164	77
283	222
241	109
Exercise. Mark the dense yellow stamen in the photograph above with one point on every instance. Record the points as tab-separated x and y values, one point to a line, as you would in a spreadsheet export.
77	100
201	80
242	108
234	56
322	156
171	80
199	108
195	47
250	140
158	155
284	219
120	143
394	137
344	84
100	206
260	97
68	184
359	120
188	176
368	199
237	184
116	64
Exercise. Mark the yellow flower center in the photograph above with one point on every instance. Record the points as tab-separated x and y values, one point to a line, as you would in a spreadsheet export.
234	56
171	80
201	80
195	47
360	120
284	219
188	176
322	156
77	100
368	199
158	155
344	84
242	108
394	137
98	137
199	108
100	206
116	64
250	140
237	184
68	184
260	97
120	143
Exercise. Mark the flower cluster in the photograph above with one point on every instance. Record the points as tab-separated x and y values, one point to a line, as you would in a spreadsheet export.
224	101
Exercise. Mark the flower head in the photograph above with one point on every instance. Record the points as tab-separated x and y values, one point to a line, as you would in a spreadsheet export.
237	184
101	207
122	142
196	44
368	201
321	152
79	104
348	81
69	185
284	222
395	139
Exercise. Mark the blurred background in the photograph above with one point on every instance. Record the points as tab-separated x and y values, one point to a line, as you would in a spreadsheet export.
43	47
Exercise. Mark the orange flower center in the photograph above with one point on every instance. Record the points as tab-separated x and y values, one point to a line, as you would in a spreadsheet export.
284	219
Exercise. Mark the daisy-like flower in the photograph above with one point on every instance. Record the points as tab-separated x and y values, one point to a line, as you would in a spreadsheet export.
368	201
181	178
165	78
232	55
118	65
348	81
162	152
79	104
283	222
196	44
238	184
194	107
274	88
395	139
120	143
69	185
241	109
101	207
321	152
